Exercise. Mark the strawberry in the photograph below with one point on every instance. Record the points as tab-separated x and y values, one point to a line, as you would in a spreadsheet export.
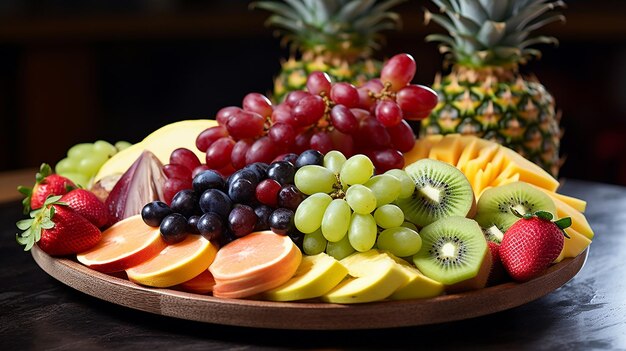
46	184
531	244
57	229
87	204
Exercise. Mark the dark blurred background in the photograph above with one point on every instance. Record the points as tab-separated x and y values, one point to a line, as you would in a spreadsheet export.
79	71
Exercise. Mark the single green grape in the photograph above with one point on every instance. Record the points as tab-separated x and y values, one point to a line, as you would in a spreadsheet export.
308	216
385	187
389	216
336	220
358	169
66	165
104	147
80	151
340	249
313	179
407	186
89	166
314	243
333	160
400	241
361	199
121	145
362	232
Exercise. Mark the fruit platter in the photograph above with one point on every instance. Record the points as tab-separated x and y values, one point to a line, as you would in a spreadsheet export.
319	206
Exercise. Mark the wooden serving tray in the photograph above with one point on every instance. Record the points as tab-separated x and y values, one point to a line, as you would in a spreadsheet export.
306	315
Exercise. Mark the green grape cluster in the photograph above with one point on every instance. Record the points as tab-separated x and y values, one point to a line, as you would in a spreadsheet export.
84	160
349	208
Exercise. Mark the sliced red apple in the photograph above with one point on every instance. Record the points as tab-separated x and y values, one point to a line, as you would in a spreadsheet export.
125	244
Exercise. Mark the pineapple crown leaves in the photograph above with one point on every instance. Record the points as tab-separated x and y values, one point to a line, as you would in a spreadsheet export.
562	223
492	32
39	219
345	28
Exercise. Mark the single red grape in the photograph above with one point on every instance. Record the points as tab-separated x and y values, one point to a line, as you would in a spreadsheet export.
238	155
263	150
318	83
309	110
417	101
398	71
343	119
209	135
258	103
185	157
402	137
199	170
282	134
219	153
267	192
345	94
388	113
245	124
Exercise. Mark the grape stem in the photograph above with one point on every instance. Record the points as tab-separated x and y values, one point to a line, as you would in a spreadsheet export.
338	193
385	93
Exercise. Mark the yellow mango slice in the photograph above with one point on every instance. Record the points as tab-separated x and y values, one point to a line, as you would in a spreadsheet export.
578	204
421	149
574	245
447	149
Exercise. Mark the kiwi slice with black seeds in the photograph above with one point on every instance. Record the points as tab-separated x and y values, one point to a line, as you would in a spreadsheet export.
441	190
495	206
454	252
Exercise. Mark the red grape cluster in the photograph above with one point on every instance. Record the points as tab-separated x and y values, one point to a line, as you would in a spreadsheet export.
370	119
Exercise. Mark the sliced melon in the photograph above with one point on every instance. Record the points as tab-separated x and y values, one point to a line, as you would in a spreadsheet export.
574	245
447	149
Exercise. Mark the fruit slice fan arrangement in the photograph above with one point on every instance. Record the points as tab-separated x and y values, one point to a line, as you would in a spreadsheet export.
326	195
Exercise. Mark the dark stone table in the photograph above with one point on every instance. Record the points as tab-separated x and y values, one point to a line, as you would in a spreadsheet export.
588	313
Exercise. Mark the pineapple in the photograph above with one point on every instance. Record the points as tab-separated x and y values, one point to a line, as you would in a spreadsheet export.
485	94
334	36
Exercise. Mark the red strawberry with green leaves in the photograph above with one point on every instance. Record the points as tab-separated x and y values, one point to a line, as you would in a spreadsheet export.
57	229
87	205
532	243
46	184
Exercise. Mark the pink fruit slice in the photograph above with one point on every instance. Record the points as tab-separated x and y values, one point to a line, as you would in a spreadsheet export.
125	244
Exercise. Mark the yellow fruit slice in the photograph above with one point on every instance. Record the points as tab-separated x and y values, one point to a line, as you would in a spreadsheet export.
175	264
579	221
574	245
470	151
480	162
372	278
528	171
421	148
315	276
578	204
161	142
418	286
447	149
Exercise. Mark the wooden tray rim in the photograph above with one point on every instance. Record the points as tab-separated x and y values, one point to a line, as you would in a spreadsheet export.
306	315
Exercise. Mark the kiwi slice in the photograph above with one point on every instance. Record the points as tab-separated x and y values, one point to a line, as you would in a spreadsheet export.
495	205
454	252
441	190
